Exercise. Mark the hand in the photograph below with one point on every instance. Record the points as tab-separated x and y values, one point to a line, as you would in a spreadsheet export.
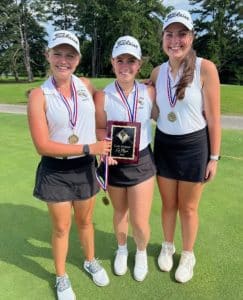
100	147
112	161
211	170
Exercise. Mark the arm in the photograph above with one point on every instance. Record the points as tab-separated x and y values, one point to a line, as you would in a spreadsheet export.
154	75
101	120
211	94
88	85
40	134
100	115
152	95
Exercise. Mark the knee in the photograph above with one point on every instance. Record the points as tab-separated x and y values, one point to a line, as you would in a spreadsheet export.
61	230
84	224
188	212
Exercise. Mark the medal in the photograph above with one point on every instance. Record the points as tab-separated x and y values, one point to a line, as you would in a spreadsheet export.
172	99
171	116
73	139
72	111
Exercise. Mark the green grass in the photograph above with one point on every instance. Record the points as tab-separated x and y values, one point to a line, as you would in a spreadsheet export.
26	264
232	99
15	93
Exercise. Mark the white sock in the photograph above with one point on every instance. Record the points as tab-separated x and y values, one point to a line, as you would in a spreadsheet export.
142	252
122	247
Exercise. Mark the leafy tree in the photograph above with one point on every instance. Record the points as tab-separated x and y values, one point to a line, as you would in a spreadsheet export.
219	29
99	23
62	13
106	20
23	32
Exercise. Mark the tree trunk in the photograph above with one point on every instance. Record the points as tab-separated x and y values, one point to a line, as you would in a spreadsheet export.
25	46
94	54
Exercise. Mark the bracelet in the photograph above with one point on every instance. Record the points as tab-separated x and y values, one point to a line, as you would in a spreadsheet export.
214	157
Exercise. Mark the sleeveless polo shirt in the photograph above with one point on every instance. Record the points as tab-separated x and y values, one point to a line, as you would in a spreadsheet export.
58	117
189	111
116	110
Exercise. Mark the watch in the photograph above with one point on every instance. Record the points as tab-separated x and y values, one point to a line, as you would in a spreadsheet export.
86	150
214	157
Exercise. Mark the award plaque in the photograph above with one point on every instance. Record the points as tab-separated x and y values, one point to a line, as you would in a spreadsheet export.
125	138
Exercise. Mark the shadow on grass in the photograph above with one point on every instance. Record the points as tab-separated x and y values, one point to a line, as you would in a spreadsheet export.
25	237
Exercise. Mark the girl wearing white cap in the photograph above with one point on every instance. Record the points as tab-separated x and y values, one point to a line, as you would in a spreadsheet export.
187	139
61	117
130	185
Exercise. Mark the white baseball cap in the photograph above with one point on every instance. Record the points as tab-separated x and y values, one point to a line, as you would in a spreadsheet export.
64	37
179	16
127	45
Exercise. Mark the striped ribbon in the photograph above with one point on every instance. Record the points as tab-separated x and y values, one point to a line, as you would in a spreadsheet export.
132	113
72	113
172	100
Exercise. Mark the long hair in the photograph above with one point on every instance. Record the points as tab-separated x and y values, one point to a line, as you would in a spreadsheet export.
187	75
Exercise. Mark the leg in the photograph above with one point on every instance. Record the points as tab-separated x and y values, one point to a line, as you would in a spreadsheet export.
120	216
189	195
120	222
140	199
168	191
61	222
83	212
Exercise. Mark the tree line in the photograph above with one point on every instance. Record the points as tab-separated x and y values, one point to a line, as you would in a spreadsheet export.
98	23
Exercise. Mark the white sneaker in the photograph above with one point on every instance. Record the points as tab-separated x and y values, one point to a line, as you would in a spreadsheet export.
98	273
184	271
64	288
165	259
120	263
141	266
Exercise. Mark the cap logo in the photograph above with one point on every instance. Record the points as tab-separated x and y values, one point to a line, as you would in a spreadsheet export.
125	42
177	14
60	35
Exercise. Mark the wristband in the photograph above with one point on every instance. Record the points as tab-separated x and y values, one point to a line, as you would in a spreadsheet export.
214	157
86	149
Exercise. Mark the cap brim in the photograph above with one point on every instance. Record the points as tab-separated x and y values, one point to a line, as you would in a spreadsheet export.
179	20
64	41
121	52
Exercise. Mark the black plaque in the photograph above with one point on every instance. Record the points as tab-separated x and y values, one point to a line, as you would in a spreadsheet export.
125	138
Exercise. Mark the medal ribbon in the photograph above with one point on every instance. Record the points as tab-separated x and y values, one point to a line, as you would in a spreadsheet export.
72	114
103	178
132	113
172	100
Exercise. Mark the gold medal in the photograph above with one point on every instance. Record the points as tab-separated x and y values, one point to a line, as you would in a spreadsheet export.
73	139
171	116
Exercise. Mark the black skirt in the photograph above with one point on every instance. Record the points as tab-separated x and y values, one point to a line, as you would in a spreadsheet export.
59	180
125	175
182	157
